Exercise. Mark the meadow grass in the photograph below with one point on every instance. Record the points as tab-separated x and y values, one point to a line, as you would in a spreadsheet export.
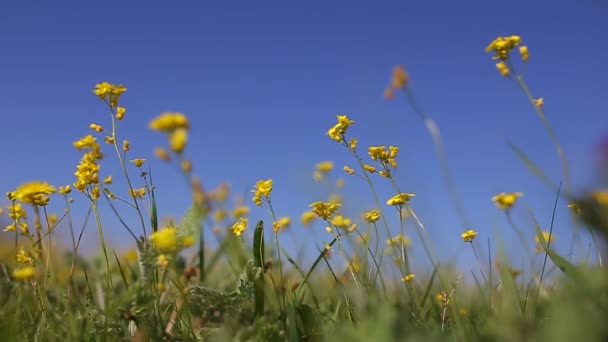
170	286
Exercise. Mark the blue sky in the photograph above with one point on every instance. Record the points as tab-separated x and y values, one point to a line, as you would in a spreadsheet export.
262	82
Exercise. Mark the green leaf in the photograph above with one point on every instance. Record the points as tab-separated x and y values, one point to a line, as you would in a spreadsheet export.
258	260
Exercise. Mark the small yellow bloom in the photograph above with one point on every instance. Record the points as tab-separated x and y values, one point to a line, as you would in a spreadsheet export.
341	221
400	77
165	239
239	227
372	215
307	218
324	210
138	161
353	143
324	167
131	255
125	145
24	273
96	127
137	193
35	192
24	257
178	140
169	122
408	277
64	190
120	113
502	67
240	211
107	180
539	102
523	51
281	223
186	166
188	241
162	261
469	235
162	154
505	200
384	174
108	139
262	190
369	168
338	131
349	170
399	199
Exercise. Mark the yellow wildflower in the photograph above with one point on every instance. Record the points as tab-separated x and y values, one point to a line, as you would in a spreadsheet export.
24	257
324	167
165	239
240	211
64	190
539	102
505	200
131	255
502	46
523	51
96	127
169	122
162	261
108	139
281	223
341	221
353	143
188	241
120	113
307	217
107	180
369	168
24	273
262	190
400	77
125	145
162	154
502	67
186	166
138	161
408	277
324	209
35	192
220	215
372	215
349	170
338	131
239	226
137	193
469	235
178	140
399	199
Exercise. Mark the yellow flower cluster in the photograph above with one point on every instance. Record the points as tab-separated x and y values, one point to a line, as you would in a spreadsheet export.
35	193
343	222
399	81
109	92
386	158
372	215
324	210
308	217
338	131
505	200
87	171
502	46
281	223
18	215
239	226
176	126
262	190
167	240
399	199
469	235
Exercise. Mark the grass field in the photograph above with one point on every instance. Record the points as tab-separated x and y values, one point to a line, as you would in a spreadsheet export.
170	286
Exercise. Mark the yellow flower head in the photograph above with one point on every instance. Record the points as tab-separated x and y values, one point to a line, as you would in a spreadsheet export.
503	45
165	239
338	131
324	210
369	168
324	167
469	235
408	277
169	121
502	67
372	215
262	190
178	140
16	212
386	158
188	241
505	200
24	257
107	180
523	51
399	199
239	226
281	223
341	221
308	217
109	92
137	193
126	146
240	211
539	102
64	190
162	261
138	161
24	273
96	127
186	166
400	77
120	113
349	170
36	193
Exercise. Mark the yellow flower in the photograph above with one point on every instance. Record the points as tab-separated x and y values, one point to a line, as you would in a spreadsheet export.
469	235
16	212
188	241
400	77
186	166
369	168
539	102
107	180
338	131
52	220
341	221
35	192
408	277
353	143
502	46
64	190
505	200
220	215
178	140
131	255
109	92
162	261
324	210
137	193
169	121
108	139
399	199
502	67
24	273
120	112
162	154
386	158
262	190
398	240
372	215
96	127
165	239
547	236
523	51
239	227
138	161
24	257
349	170
308	217
324	167
125	145
281	223
240	211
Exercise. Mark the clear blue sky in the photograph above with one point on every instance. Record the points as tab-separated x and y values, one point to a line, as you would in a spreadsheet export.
263	81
